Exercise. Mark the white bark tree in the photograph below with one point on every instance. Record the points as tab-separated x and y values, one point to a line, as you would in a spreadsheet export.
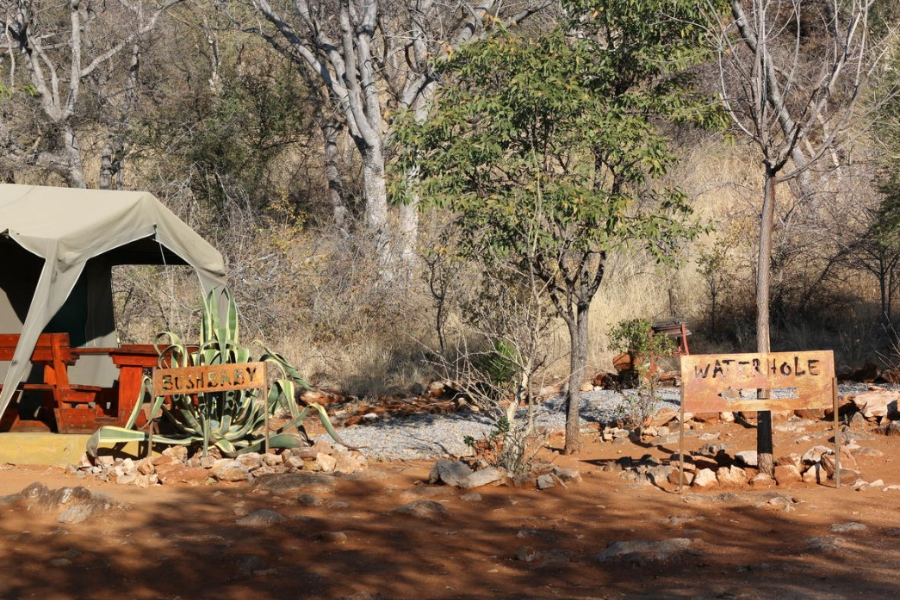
373	58
791	76
64	49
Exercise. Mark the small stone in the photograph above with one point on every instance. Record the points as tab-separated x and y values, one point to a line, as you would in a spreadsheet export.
326	462
712	450
323	446
642	550
787	474
828	544
272	460
567	475
731	476
127	478
483	477
761	480
179	473
471	497
747	458
251	460
848	527
308	500
545	482
77	513
427	509
294	462
261	518
450	472
704	478
346	464
333	537
179	453
230	470
814	474
790	459
782	502
526	554
814	454
145	467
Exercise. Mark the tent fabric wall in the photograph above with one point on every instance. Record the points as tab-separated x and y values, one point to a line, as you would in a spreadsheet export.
68	227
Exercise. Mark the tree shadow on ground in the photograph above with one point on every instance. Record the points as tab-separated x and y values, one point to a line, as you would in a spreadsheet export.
187	544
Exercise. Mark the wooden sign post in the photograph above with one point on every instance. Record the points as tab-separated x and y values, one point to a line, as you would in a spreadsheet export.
213	378
714	383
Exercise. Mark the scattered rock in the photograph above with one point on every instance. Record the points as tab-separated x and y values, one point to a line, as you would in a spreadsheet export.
325	462
892	428
790	459
731	477
545	482
333	537
814	454
527	554
483	477
450	472
814	474
261	518
308	500
567	475
704	478
876	404
784	503
827	544
761	480
644	550
787	474
77	504
471	497
848	527
747	458
230	470
179	473
290	482
424	509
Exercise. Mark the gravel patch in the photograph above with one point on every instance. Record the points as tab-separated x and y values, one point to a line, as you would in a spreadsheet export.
440	436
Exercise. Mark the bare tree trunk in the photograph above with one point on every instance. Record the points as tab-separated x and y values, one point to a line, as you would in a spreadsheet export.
376	206
330	131
764	446
407	238
73	152
578	338
106	168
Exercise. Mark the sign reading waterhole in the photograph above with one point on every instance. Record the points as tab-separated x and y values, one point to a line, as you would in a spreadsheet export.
714	382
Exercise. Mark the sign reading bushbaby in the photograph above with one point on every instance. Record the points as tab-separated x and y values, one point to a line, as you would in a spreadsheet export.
211	378
713	382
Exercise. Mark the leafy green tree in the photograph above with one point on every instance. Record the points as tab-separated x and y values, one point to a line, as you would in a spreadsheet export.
546	149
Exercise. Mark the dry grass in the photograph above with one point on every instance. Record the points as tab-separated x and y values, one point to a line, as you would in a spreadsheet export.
319	299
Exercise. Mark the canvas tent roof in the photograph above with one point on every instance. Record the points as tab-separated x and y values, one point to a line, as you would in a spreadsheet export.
63	230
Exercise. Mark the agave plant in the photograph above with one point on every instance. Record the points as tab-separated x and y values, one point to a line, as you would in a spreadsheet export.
235	421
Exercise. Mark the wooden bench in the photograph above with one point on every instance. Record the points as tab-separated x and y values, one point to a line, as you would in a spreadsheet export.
71	408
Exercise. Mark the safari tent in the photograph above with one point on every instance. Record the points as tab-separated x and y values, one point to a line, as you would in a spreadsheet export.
58	248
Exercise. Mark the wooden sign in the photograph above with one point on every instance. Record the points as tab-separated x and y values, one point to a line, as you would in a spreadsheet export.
209	378
713	382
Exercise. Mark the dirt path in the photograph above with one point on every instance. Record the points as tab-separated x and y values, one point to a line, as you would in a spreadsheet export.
345	540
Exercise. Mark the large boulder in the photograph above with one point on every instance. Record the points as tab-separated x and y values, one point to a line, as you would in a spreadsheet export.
876	404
